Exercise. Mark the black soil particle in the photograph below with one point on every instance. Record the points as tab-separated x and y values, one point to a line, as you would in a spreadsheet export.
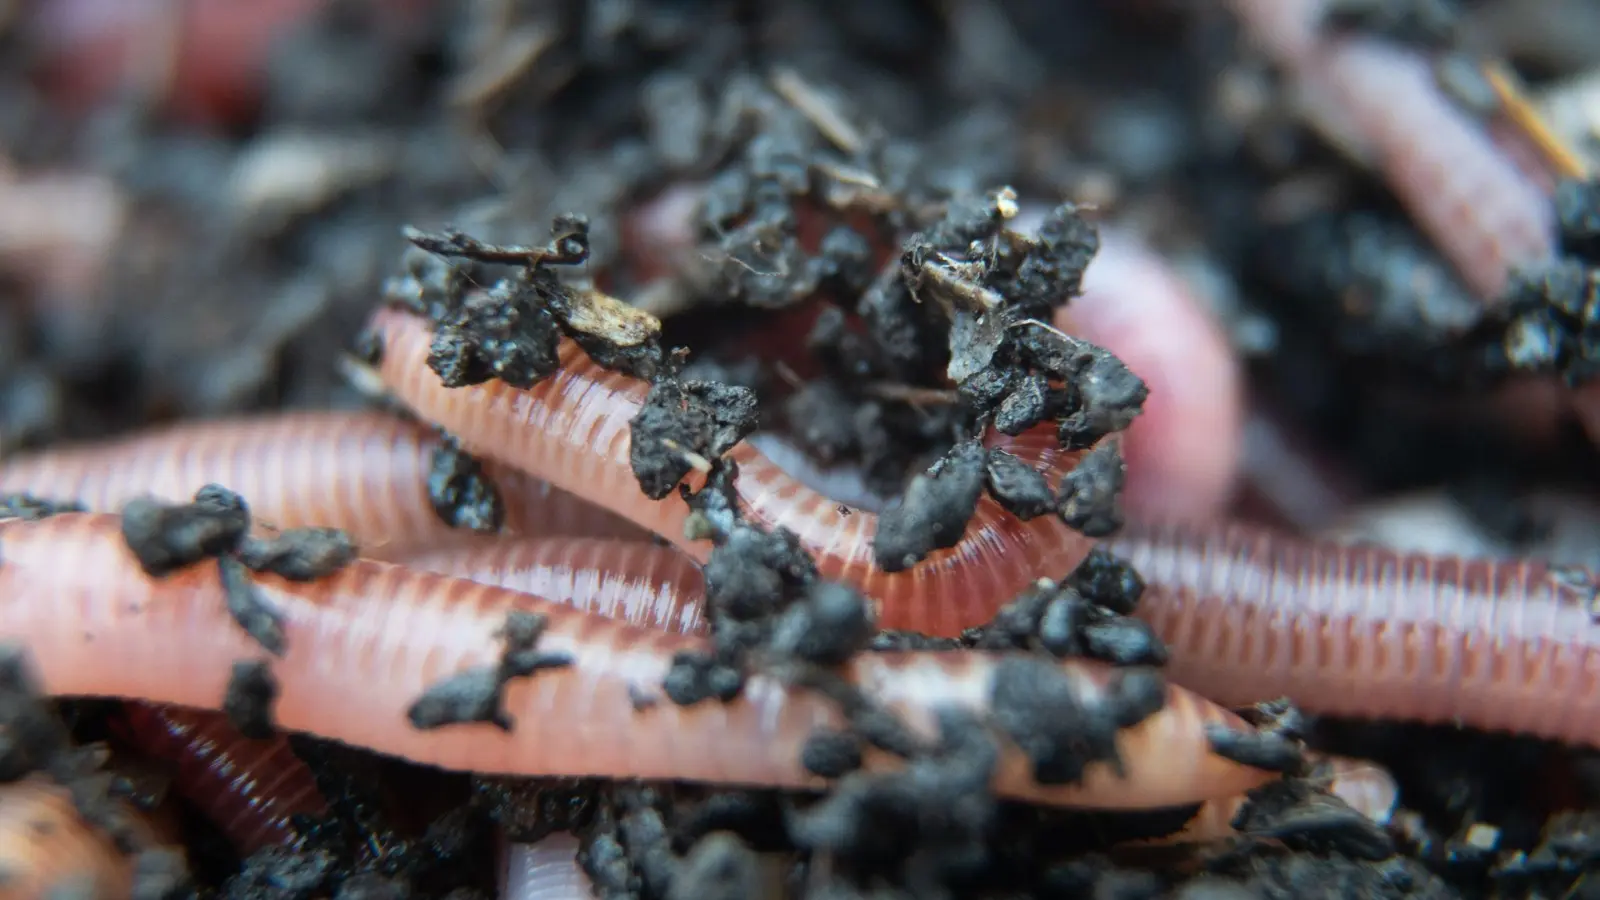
478	695
831	624
1303	818
1020	489
1085	615
299	554
831	754
1042	709
166	537
1090	499
249	608
682	425
461	492
933	512
720	867
30	508
252	692
1261	749
33	734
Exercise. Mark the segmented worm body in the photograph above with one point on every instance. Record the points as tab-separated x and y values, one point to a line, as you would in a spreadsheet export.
47	849
1366	632
546	870
1366	787
366	642
642	584
365	472
250	789
572	430
1472	200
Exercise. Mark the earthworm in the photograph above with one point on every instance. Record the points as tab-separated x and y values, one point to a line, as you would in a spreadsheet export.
1183	449
1249	614
250	789
1366	632
545	870
632	581
365	472
1473	201
47	849
572	430
1366	787
364	643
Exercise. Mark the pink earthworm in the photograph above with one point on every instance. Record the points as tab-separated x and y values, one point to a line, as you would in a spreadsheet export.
365	472
1183	450
250	789
572	430
1366	632
1471	198
364	643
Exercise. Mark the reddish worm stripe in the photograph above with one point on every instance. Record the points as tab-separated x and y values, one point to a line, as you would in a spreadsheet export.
249	789
365	642
46	847
1247	615
572	430
365	472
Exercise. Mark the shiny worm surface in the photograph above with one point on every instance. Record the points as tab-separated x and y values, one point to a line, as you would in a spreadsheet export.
250	789
572	430
364	472
634	582
1366	632
48	850
364	643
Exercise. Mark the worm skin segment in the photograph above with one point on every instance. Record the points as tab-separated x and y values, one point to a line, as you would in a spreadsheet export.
1366	787
47	849
641	584
1472	200
1370	633
364	643
546	870
249	789
364	472
572	430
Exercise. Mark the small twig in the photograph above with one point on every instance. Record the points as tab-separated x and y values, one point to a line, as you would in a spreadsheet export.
822	113
1526	118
